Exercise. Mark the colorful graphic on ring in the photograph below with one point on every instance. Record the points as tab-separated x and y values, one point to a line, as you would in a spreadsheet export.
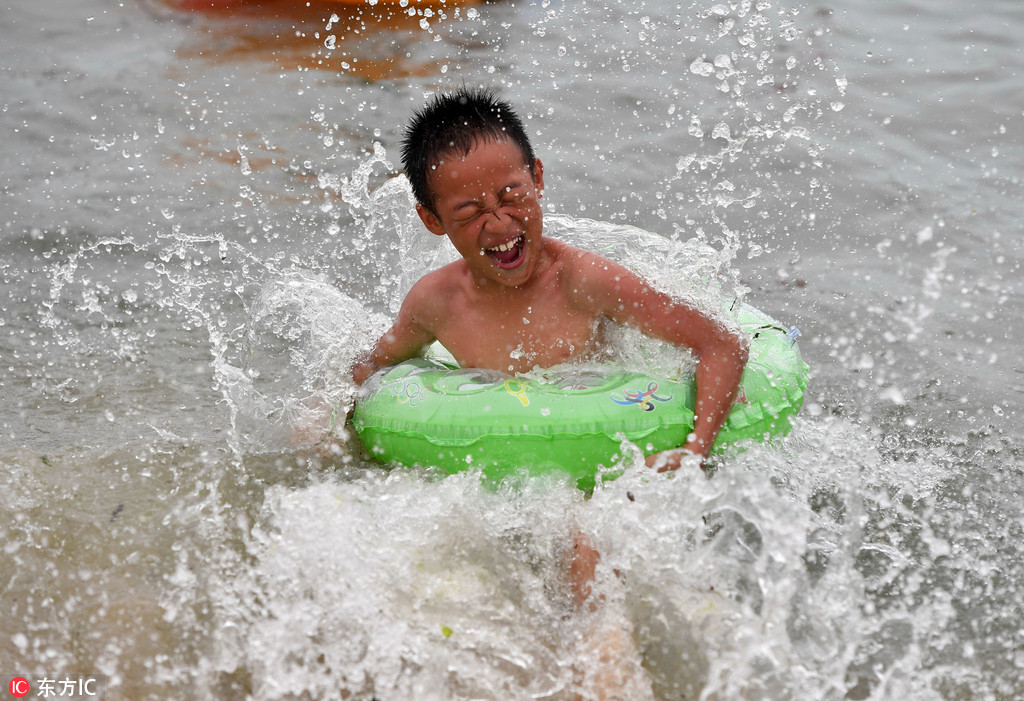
408	392
645	399
517	388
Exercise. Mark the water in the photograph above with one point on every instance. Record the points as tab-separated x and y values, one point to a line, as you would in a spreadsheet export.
200	235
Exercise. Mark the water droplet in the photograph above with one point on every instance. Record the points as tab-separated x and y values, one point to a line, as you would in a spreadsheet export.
895	396
695	128
20	641
701	67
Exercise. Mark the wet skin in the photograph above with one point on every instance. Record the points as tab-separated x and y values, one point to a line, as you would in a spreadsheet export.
516	300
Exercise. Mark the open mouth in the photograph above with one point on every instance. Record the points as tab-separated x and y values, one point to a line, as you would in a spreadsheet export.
507	255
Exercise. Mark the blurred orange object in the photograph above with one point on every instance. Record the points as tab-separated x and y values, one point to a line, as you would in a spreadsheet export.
299	6
332	35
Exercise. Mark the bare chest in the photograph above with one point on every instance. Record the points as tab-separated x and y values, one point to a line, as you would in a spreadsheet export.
517	338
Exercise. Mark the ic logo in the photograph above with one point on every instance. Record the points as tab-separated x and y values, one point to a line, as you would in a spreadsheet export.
18	687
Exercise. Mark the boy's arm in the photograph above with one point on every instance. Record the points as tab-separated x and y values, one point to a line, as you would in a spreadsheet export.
405	339
608	288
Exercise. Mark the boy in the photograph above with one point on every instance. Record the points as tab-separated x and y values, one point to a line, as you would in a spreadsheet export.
516	299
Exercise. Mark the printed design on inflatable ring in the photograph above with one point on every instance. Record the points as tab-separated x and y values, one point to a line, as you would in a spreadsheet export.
517	388
741	398
408	391
645	399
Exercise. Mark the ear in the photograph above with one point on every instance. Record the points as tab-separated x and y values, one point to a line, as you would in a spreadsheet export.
430	220
538	176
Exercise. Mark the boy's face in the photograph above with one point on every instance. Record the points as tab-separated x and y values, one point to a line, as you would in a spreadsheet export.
488	205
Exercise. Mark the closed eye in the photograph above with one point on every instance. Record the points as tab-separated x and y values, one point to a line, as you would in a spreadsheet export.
467	211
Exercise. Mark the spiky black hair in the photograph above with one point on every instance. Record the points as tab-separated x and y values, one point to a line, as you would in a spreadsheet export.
453	122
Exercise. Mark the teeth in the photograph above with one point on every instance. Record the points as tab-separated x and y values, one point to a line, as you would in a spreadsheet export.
506	246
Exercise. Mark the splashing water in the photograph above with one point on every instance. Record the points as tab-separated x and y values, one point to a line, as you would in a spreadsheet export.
796	571
773	578
165	525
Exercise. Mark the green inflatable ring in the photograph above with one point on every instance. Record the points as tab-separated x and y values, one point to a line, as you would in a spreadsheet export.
426	411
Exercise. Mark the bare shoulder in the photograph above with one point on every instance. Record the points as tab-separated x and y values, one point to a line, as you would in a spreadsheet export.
441	280
575	265
585	273
561	251
431	294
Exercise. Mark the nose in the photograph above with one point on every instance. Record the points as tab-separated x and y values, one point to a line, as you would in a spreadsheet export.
497	218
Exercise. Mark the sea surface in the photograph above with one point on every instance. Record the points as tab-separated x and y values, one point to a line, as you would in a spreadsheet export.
203	225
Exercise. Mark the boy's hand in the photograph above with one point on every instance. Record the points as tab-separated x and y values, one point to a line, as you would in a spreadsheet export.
362	371
668	460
